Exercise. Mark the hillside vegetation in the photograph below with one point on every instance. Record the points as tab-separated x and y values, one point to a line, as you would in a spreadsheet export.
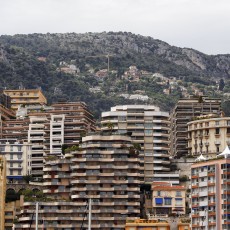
42	60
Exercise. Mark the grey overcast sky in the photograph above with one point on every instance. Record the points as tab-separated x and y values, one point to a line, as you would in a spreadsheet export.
203	25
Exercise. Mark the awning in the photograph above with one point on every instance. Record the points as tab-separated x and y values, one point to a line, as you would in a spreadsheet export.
14	177
159	200
178	209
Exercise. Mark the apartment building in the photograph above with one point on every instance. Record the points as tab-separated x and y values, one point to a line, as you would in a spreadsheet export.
36	137
11	209
5	112
5	100
107	171
182	113
208	135
57	177
148	127
18	161
15	129
168	199
48	129
144	224
2	190
25	97
104	170
210	193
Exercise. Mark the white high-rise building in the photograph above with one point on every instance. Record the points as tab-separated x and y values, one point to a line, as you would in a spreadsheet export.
149	127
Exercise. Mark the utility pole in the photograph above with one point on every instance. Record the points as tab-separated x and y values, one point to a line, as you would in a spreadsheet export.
36	217
90	214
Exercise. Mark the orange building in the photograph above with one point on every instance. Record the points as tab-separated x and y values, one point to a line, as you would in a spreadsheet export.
144	224
25	97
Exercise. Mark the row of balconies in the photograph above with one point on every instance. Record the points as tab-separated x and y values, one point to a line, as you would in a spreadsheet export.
108	196
98	188
104	181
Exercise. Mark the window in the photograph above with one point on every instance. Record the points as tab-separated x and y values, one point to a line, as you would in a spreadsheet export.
148	125
2	148
168	201
122	118
19	148
11	164
11	156
217	131
178	193
159	201
158	193
11	148
228	130
178	201
217	123
148	132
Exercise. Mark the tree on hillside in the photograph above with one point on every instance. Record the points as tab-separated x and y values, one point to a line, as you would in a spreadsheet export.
221	84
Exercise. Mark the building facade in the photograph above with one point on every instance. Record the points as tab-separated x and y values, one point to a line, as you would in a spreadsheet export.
144	224
210	194
18	159
25	97
208	135
48	129
182	113
2	190
5	100
148	127
108	172
168	199
11	210
104	170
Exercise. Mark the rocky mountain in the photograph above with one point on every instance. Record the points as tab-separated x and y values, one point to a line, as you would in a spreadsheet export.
34	60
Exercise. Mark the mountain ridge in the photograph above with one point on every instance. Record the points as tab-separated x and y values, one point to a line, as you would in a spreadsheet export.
20	64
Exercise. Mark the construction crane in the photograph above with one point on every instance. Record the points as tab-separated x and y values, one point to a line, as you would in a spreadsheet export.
105	55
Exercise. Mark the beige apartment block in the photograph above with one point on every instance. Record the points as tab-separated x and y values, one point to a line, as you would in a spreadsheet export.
57	177
11	209
208	135
183	113
106	170
2	190
25	97
210	196
168	199
148	127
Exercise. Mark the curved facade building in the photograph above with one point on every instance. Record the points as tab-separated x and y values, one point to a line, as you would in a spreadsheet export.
149	127
208	136
108	173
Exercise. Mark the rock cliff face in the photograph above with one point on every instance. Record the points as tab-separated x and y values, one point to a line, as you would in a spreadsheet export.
151	54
